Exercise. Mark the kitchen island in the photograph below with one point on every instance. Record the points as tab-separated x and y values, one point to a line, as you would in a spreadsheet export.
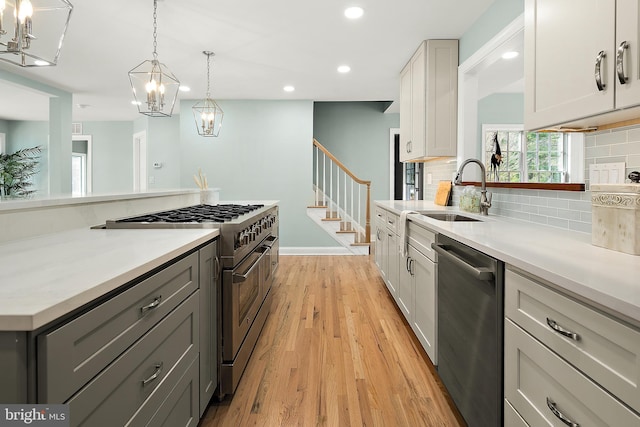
87	313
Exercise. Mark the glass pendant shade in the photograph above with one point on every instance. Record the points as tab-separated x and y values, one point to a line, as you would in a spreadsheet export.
32	31
207	113
154	86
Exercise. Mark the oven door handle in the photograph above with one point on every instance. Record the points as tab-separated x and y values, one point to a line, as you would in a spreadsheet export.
242	277
270	241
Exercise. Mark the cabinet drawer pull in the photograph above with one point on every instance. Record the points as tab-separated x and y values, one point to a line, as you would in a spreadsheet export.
559	329
154	304
620	62
598	71
155	375
552	406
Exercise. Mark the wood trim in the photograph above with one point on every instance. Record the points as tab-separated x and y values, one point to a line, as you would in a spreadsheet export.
531	185
356	179
339	163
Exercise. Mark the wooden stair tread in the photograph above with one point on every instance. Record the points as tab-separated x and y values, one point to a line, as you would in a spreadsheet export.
331	219
317	207
346	232
361	244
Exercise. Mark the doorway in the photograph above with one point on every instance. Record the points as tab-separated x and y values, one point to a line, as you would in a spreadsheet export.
81	165
140	161
406	178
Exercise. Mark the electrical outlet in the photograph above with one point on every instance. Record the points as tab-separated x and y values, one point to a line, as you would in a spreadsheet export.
157	165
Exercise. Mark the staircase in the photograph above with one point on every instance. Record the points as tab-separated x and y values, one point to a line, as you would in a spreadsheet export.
342	205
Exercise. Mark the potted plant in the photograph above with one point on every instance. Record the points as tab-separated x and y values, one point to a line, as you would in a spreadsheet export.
16	171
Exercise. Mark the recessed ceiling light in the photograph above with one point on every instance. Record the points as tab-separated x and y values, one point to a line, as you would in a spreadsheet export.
510	55
41	63
354	12
184	88
344	69
289	88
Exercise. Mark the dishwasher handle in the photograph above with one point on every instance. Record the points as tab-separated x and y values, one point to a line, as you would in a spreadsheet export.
479	273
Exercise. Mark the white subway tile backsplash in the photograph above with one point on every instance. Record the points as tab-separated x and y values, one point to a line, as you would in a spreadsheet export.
557	222
580	226
559	203
580	205
609	137
625	149
599	151
563	209
569	214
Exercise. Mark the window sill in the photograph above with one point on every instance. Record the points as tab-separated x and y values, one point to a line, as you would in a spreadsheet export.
532	185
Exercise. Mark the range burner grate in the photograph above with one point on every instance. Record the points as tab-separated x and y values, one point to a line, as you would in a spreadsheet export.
198	213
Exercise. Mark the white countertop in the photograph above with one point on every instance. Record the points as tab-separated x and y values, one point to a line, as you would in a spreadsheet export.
45	277
47	201
604	278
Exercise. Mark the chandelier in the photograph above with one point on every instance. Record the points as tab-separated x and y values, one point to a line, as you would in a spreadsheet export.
207	113
32	31
155	88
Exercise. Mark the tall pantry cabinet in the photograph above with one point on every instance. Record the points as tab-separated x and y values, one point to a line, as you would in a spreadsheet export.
429	101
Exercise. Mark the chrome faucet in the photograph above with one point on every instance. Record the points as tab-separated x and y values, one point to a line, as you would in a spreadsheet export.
485	199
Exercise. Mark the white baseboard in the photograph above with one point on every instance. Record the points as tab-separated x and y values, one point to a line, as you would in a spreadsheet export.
328	250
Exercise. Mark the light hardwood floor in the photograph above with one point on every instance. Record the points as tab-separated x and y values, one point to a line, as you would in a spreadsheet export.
335	351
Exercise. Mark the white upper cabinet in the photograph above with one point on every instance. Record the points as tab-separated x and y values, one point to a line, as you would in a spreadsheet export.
627	53
575	73
428	101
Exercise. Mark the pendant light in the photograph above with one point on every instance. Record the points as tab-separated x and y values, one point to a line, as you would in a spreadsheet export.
154	86
32	31
207	113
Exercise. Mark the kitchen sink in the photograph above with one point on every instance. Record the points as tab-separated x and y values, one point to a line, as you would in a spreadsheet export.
451	217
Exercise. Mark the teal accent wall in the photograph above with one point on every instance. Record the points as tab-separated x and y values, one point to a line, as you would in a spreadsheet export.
264	151
112	156
357	133
55	173
28	134
497	16
163	146
4	126
499	108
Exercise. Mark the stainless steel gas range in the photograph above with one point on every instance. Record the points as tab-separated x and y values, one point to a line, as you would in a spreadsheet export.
249	257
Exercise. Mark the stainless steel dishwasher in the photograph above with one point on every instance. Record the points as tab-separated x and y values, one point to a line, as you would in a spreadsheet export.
470	330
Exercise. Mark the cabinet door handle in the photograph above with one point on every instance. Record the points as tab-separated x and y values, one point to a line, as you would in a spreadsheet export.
154	304
554	409
620	62
564	332
408	146
411	263
406	264
598	71
154	376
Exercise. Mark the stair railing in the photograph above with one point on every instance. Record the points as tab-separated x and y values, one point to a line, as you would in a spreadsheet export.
330	177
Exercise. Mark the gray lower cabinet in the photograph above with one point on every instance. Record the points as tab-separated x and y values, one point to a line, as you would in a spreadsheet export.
72	354
209	286
145	356
565	362
140	380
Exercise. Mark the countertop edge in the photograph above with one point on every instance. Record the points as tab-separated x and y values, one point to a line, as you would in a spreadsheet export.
36	320
563	281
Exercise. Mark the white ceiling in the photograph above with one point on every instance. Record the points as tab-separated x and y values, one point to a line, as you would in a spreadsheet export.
260	47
